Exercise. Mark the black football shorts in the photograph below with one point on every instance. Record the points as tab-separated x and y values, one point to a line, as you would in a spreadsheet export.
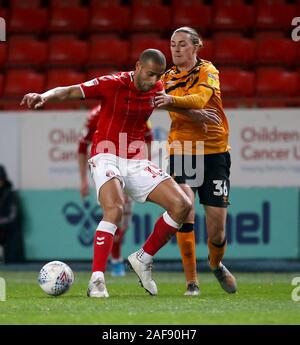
207	174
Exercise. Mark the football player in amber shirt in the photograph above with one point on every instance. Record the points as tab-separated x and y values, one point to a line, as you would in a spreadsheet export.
193	83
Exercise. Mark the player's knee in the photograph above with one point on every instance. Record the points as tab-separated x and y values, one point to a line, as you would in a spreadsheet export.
182	207
217	237
215	229
114	212
187	207
216	232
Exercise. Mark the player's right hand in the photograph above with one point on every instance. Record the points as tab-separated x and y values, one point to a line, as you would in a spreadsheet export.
33	100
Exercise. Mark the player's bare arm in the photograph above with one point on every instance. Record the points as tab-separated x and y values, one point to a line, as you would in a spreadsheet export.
37	100
200	116
193	101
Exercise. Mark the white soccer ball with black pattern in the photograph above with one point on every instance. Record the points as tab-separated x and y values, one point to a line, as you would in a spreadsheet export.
55	278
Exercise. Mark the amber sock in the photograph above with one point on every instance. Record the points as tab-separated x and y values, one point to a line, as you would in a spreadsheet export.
216	253
186	242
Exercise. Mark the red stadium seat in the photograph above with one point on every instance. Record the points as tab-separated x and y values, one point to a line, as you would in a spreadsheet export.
25	3
207	52
68	19
1	84
100	71
274	16
276	82
108	50
65	3
270	103
281	51
109	35
20	82
4	13
233	16
3	54
105	3
269	34
26	51
70	105
67	51
109	19
234	50
229	103
227	2
145	36
197	16
268	2
238	102
154	18
64	77
185	3
140	43
28	20
140	3
237	83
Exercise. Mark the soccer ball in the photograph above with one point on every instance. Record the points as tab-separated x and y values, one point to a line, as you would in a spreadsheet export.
55	278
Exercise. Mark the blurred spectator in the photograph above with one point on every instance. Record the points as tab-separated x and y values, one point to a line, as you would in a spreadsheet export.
11	234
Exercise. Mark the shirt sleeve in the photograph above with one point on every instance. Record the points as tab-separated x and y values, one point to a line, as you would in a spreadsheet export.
95	88
209	77
194	101
206	86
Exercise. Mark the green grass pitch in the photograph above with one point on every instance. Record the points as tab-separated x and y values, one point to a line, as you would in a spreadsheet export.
262	299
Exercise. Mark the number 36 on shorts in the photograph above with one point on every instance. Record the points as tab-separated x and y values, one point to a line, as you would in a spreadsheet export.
220	187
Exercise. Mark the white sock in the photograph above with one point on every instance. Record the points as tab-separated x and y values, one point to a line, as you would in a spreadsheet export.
170	221
144	257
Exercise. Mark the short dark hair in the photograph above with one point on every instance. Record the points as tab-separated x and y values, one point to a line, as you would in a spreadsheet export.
194	36
153	55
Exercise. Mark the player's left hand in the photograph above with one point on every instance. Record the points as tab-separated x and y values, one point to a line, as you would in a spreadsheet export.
162	99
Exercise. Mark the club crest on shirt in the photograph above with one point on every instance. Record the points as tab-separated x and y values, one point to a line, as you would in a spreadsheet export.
91	82
212	79
211	75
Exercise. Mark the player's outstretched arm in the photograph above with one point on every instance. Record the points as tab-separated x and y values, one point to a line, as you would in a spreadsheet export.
37	100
